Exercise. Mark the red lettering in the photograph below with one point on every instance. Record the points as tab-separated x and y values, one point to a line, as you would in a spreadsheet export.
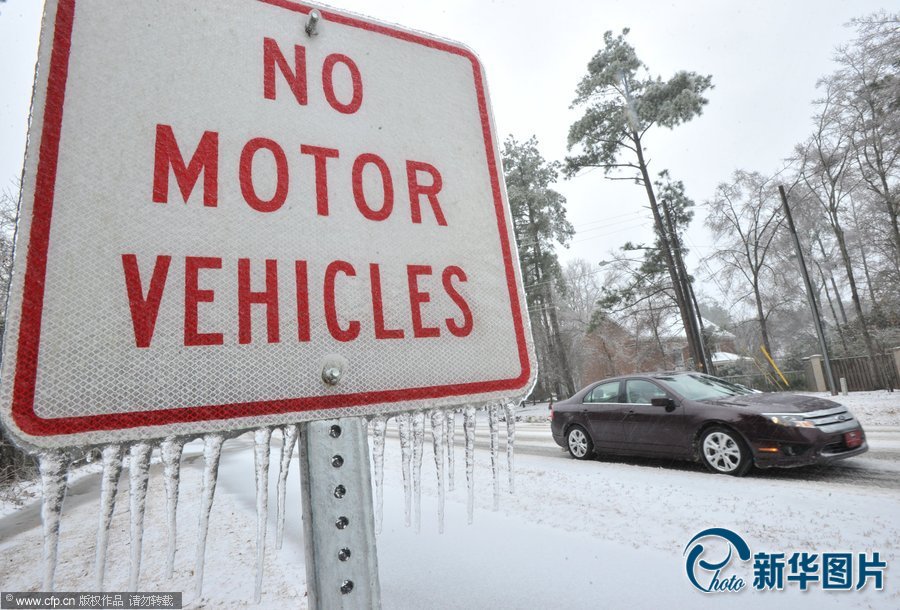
296	79
331	317
416	189
144	310
378	307
416	299
205	159
246	175
193	296
387	185
302	300
328	83
246	297
321	155
457	330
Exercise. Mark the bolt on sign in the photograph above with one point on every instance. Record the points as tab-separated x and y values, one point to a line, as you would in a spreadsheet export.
229	222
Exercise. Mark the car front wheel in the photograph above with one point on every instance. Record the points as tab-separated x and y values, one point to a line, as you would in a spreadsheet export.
724	452
579	443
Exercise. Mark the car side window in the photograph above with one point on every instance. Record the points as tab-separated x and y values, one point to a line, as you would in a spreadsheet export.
640	392
605	392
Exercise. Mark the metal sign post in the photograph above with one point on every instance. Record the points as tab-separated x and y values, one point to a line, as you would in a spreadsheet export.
338	519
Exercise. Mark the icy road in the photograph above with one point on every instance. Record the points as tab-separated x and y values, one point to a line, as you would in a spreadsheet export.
604	533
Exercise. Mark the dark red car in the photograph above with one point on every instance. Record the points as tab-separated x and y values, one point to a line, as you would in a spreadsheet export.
697	417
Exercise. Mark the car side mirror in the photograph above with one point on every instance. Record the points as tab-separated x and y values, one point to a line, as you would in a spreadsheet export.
662	401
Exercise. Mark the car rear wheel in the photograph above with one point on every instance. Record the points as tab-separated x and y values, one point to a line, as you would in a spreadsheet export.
579	443
724	452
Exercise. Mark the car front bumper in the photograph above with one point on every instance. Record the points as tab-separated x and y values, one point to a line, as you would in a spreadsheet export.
809	448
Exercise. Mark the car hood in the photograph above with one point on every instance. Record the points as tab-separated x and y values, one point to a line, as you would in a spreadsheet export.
777	402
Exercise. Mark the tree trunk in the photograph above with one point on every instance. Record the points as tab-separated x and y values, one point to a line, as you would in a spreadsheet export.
667	252
874	369
837	323
837	293
559	366
763	326
654	326
892	208
564	375
865	262
871	292
693	311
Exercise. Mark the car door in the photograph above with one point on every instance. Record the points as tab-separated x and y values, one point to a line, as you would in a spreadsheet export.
647	428
604	412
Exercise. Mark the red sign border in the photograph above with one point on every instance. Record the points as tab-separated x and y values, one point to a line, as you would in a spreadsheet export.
36	267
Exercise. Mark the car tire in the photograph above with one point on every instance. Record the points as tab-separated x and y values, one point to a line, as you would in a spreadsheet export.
723	451
579	443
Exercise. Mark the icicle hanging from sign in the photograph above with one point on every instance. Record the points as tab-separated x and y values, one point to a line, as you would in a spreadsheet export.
53	466
138	478
109	486
379	427
418	444
494	426
438	420
212	452
289	435
170	451
404	423
262	438
469	429
510	445
450	438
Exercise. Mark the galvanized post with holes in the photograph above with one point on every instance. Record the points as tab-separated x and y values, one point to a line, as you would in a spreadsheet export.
338	518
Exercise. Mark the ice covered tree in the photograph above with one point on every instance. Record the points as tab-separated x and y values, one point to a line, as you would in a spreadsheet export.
539	220
825	163
744	216
621	102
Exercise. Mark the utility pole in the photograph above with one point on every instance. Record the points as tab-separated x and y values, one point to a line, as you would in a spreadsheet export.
817	320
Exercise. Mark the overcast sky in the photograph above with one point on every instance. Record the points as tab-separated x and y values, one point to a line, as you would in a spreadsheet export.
764	57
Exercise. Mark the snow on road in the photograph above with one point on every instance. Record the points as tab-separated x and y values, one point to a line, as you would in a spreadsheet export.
604	533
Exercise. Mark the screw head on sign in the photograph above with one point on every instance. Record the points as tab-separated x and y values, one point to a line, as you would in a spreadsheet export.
340	491
346	586
337	461
333	367
342	522
313	23
344	554
331	375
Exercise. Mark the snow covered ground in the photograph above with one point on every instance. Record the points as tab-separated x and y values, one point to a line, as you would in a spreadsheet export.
603	533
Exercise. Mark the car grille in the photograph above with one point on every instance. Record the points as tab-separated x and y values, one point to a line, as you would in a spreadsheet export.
836	447
831	419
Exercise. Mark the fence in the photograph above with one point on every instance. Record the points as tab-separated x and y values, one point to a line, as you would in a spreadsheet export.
859	376
796	381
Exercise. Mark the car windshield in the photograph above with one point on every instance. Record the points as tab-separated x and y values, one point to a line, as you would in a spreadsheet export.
702	387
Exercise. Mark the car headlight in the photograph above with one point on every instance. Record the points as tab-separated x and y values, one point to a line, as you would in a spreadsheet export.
789	419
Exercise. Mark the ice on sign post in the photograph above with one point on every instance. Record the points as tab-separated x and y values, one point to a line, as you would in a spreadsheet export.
227	223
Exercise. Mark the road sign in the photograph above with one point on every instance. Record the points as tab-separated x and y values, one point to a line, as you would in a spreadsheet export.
228	221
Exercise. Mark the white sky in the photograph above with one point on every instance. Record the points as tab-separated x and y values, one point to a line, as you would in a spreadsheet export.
765	57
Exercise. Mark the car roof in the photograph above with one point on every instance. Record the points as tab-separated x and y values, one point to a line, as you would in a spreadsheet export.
655	374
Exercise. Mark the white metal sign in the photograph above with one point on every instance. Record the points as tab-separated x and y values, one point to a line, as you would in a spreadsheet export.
228	222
